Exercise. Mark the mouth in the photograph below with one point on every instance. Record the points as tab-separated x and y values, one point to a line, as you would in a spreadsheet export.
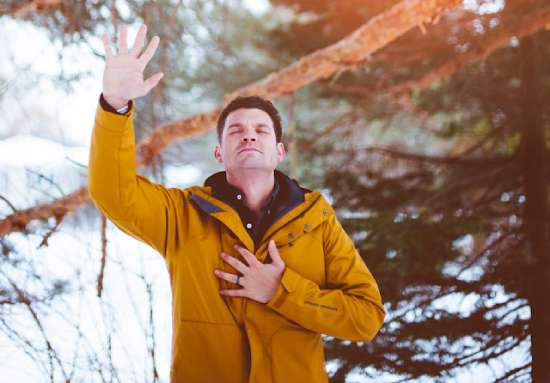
249	150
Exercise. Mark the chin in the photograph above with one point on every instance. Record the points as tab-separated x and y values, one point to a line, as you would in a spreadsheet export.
249	166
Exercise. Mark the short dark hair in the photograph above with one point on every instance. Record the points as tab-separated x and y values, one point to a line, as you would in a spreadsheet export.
251	102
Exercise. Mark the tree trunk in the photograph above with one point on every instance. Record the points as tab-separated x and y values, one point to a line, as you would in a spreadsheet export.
535	217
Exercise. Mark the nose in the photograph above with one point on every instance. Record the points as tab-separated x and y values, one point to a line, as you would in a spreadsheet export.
249	135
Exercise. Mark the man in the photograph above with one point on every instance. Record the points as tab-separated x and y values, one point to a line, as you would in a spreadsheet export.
237	315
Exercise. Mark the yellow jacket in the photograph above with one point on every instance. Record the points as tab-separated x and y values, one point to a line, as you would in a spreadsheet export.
326	287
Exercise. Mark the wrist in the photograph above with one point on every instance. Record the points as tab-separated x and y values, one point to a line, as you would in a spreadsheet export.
116	103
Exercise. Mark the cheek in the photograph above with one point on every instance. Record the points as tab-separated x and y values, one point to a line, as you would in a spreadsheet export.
275	157
227	148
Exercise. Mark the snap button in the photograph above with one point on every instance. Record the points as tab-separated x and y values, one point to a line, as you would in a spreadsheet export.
249	226
290	235
325	212
307	226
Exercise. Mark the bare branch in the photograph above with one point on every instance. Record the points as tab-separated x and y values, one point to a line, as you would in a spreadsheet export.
18	221
8	203
25	10
44	241
52	354
103	255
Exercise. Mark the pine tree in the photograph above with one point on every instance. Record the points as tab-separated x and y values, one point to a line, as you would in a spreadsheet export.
438	172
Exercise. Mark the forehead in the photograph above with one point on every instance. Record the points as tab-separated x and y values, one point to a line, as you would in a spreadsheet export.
248	116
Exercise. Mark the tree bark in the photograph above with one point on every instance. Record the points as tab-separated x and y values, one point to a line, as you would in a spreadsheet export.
536	216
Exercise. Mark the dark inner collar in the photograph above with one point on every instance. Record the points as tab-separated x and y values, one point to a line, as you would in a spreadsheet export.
287	193
225	191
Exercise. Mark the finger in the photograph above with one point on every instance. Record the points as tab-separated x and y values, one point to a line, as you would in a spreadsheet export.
247	255
140	38
122	38
234	293
107	46
238	265
151	82
274	253
227	276
149	51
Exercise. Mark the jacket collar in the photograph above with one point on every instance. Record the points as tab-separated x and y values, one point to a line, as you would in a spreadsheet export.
223	190
286	190
300	201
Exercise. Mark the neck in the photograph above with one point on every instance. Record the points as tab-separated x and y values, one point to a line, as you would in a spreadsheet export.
256	185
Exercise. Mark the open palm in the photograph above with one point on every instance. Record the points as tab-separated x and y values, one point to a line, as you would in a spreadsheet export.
123	75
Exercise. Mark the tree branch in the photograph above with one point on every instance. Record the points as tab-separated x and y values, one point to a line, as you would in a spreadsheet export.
103	255
344	55
527	25
25	10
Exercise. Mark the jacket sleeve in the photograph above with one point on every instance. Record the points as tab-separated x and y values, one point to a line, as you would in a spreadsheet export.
350	307
134	204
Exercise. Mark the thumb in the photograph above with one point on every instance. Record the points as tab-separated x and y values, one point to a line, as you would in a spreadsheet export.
274	253
152	81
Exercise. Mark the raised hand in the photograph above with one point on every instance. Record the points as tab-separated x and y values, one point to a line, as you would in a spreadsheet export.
123	74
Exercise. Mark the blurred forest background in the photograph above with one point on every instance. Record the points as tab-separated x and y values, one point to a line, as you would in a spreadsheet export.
425	122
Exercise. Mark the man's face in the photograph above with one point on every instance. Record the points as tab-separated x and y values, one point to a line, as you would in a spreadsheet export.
248	141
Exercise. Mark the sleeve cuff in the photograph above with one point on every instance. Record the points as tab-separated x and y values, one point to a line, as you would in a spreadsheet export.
289	283
112	121
108	108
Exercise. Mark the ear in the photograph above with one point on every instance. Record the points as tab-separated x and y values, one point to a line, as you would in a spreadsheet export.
281	152
218	153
